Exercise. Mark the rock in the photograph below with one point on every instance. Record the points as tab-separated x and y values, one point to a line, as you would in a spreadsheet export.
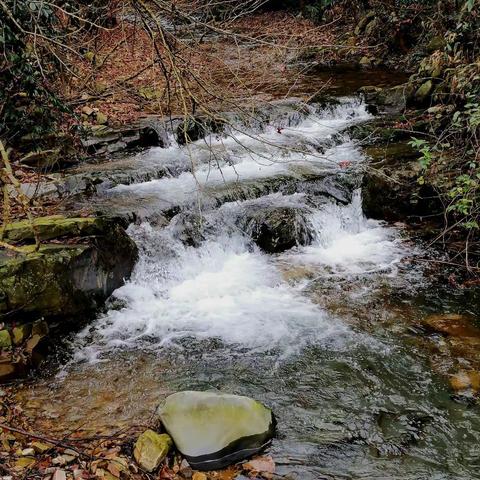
24	462
28	452
151	449
7	370
463	381
422	95
194	128
364	21
199	476
389	100
59	475
5	340
214	430
20	333
66	279
44	159
88	111
51	227
260	465
277	229
323	100
453	325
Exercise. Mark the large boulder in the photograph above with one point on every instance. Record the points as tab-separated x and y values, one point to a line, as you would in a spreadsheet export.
214	430
91	257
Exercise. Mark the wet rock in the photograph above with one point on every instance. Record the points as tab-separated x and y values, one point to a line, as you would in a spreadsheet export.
377	132
465	381
453	325
101	139
70	278
323	100
151	449
189	228
192	129
260	465
214	430
277	229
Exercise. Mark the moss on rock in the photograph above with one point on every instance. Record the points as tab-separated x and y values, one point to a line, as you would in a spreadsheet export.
63	278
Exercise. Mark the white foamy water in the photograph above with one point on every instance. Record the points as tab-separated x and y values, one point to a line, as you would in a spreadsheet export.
226	288
248	155
348	243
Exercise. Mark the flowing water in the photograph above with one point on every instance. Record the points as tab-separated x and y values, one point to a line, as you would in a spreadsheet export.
321	333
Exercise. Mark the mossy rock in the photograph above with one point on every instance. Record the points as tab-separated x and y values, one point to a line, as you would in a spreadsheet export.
423	93
151	448
5	340
214	430
65	279
51	227
389	100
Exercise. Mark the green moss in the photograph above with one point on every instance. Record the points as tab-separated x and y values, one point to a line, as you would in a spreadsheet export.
52	227
5	340
151	448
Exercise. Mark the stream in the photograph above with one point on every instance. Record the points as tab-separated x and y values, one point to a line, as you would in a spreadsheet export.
322	332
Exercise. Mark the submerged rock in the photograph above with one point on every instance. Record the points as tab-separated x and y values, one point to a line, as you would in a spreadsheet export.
453	325
151	448
68	278
214	430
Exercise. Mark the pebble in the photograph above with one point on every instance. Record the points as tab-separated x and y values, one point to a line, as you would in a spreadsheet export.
199	476
60	460
59	475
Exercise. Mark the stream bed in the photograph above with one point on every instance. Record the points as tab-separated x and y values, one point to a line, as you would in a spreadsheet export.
323	332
